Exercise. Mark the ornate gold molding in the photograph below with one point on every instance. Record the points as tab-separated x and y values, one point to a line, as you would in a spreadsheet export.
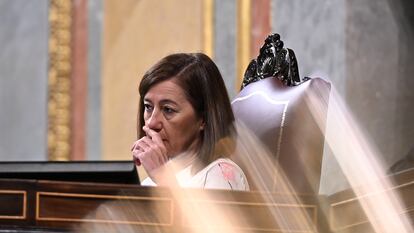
59	131
43	196
23	204
208	31
243	39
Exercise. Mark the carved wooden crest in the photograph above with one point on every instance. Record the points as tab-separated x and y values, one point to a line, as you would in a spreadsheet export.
274	61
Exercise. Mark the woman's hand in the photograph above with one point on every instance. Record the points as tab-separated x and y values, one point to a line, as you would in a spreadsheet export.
150	152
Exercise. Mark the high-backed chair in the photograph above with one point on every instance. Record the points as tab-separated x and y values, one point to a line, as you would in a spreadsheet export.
279	108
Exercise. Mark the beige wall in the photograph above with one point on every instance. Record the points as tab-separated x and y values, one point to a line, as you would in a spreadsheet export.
136	35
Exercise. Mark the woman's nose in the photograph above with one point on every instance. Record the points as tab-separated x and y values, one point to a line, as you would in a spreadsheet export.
154	122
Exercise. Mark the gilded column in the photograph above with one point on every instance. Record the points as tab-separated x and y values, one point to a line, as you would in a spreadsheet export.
208	21
243	38
59	101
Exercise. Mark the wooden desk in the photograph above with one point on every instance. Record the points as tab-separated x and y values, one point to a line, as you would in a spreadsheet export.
62	206
55	206
346	214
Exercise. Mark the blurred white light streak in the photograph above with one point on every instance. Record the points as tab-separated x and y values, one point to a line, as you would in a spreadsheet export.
362	166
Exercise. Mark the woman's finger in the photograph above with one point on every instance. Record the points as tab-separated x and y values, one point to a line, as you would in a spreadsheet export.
151	145
154	150
137	161
143	144
156	138
134	145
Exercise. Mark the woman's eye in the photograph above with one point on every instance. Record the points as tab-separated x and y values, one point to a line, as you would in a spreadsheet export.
168	110
147	107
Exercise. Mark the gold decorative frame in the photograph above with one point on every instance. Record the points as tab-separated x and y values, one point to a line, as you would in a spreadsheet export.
39	195
208	21
313	209
332	206
24	204
59	131
243	39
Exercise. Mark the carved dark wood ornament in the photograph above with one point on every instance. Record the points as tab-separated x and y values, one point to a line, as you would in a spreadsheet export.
274	61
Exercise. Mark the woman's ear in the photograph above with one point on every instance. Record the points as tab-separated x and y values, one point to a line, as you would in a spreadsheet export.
202	125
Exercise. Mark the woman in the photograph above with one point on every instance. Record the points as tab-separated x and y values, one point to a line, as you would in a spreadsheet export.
185	119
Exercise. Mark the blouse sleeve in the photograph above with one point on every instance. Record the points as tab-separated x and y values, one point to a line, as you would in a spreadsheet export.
225	175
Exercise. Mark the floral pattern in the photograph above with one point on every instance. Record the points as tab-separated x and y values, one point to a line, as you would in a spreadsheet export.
228	171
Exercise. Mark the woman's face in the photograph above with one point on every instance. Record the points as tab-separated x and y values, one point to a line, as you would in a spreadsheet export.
168	112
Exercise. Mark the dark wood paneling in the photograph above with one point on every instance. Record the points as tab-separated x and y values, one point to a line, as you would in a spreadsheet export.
55	206
67	205
13	204
346	212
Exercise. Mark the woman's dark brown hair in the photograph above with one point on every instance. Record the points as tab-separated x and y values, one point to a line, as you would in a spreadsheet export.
204	87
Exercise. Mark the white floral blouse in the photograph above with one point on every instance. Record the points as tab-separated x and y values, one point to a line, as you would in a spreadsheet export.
220	174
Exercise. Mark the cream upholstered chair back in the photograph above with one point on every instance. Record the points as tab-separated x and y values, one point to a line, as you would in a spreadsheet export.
287	115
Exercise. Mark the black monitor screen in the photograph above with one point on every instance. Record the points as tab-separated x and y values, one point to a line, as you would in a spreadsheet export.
120	172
